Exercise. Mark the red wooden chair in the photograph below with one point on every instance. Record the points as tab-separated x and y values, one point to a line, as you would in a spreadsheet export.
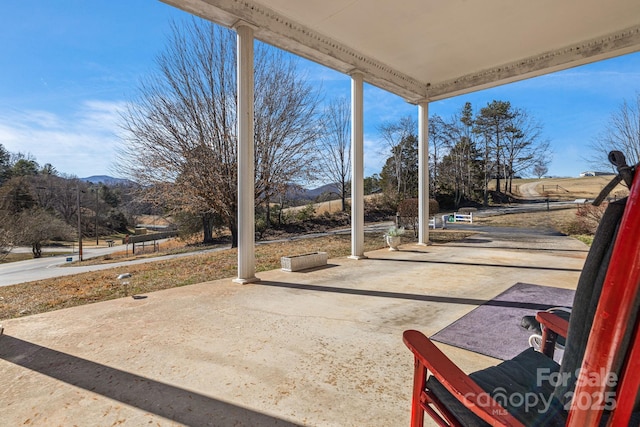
598	380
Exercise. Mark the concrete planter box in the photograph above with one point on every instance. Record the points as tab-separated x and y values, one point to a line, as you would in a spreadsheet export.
304	261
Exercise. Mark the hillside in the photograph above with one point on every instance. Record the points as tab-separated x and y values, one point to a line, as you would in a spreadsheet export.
587	187
561	189
105	179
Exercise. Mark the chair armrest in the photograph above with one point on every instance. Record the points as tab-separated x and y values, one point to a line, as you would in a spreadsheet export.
456	381
554	322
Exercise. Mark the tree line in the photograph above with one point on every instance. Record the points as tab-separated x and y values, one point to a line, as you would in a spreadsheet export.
39	205
466	152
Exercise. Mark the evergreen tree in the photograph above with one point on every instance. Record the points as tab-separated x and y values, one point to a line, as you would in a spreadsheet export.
400	171
492	124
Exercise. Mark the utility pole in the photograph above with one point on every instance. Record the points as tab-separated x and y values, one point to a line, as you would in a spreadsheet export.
96	214
79	226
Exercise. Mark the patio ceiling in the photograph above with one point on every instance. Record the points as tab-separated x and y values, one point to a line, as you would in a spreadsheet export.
434	49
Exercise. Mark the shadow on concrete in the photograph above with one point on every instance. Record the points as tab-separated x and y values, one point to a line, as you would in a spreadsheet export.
168	401
478	264
312	269
406	296
515	248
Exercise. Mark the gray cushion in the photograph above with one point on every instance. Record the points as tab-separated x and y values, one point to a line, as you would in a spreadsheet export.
521	385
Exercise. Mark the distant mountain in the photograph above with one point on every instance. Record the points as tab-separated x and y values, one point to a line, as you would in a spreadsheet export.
315	192
105	179
304	194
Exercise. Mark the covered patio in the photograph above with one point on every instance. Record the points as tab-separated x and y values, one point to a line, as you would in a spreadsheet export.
318	348
420	50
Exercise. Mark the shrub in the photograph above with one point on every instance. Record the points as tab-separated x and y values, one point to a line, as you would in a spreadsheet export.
408	212
306	213
578	227
434	207
260	226
587	219
394	231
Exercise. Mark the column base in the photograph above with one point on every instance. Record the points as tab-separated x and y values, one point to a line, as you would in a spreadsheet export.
356	257
246	281
429	243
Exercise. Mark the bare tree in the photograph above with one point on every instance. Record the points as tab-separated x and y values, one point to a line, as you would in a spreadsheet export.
23	221
463	158
285	130
437	141
621	133
334	144
7	238
59	194
181	136
15	196
401	168
540	169
37	226
523	147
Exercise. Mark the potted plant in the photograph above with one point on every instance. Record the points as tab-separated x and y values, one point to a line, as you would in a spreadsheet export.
394	237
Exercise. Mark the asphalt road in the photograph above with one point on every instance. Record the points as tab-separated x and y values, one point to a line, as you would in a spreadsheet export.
13	273
29	270
45	268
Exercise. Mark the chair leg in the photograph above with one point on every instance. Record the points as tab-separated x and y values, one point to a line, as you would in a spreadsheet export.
549	339
419	383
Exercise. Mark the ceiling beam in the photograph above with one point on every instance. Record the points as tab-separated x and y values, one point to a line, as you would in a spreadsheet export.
277	30
593	50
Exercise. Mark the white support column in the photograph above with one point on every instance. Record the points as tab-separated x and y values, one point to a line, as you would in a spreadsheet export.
357	166
423	173
246	167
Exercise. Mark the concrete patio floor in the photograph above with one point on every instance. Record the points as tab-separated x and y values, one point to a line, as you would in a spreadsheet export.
318	348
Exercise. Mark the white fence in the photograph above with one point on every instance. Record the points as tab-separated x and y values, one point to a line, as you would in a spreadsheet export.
456	217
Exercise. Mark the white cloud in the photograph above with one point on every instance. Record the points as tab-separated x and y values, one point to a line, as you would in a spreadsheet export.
81	143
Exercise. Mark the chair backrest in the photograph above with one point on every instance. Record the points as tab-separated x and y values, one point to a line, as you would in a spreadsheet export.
588	292
613	339
603	328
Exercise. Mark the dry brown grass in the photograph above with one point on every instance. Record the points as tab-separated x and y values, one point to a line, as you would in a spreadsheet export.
52	294
154	219
167	247
13	257
557	219
587	187
22	256
331	206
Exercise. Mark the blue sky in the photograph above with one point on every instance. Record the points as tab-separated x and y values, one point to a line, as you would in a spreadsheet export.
69	66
